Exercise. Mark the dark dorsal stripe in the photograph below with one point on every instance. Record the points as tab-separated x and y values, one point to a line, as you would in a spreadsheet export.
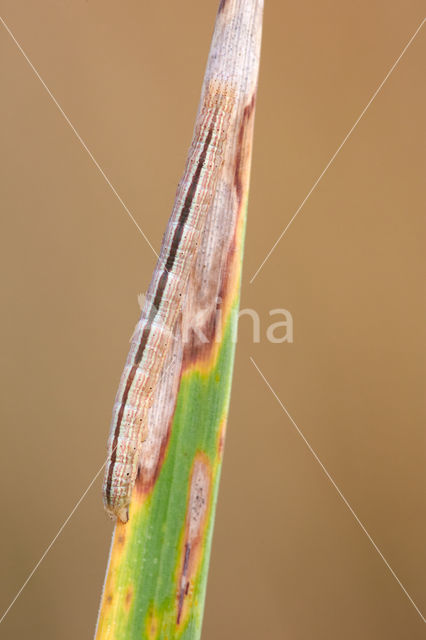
177	237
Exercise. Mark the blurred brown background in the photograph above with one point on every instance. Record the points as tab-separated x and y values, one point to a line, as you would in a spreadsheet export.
289	561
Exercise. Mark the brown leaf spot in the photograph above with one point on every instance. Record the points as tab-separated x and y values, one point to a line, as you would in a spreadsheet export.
128	598
195	529
151	625
241	155
221	439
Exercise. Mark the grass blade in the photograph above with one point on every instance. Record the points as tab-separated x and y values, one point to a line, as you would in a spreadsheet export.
156	579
